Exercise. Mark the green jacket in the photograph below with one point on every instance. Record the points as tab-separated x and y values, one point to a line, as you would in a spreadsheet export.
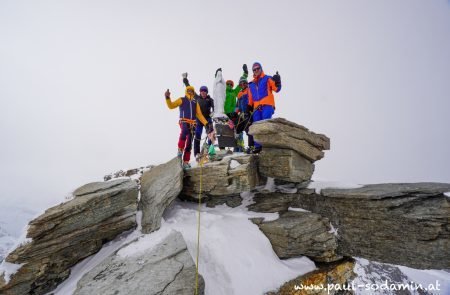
230	98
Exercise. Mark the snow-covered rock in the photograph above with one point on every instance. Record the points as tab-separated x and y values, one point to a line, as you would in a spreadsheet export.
297	234
163	268
69	232
405	224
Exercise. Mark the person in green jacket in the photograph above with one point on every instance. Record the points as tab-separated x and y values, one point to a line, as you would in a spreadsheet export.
231	95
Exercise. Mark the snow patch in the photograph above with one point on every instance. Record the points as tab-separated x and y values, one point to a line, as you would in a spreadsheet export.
270	186
234	164
235	257
297	209
144	243
319	185
428	277
287	188
333	230
9	269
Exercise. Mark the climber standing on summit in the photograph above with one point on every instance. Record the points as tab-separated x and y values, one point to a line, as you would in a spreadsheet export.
189	111
261	99
206	105
231	94
244	116
230	102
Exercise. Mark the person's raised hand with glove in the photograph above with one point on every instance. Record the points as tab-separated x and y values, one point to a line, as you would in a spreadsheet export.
245	69
185	79
277	79
167	94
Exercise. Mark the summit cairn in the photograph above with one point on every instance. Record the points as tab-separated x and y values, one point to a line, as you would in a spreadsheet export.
289	150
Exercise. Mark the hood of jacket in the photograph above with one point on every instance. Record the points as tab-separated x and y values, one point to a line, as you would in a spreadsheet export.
190	96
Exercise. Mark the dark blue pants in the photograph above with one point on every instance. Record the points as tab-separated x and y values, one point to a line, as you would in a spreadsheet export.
198	135
262	113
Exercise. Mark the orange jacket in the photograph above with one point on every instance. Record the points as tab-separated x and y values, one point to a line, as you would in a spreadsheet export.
260	91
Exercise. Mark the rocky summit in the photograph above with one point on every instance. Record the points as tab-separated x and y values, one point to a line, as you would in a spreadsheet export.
397	223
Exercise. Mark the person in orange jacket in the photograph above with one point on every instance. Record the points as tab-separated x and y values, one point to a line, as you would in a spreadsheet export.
189	111
261	98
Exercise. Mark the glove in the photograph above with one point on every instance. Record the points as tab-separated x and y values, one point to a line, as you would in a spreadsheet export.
244	67
184	75
249	108
277	79
167	94
209	128
219	69
186	82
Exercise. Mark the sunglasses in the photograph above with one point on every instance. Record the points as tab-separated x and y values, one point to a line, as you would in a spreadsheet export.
256	69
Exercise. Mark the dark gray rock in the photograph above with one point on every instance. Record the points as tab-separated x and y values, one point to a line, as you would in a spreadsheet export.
284	164
301	234
271	203
164	269
404	224
69	232
159	188
230	201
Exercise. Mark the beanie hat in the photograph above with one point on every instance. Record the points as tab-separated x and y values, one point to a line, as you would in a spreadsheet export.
230	82
204	88
242	79
256	64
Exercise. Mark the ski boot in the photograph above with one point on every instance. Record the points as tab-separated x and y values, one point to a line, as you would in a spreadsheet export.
256	151
180	153
186	165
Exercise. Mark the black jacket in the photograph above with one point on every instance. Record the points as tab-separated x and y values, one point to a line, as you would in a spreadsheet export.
206	105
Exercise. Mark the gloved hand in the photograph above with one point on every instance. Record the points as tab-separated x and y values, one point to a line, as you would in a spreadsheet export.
167	94
184	75
209	128
244	67
249	108
277	79
186	82
219	69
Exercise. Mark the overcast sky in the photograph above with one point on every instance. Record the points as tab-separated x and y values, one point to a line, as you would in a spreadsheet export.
82	84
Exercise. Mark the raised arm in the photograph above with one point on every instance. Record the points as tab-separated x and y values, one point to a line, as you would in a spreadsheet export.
172	104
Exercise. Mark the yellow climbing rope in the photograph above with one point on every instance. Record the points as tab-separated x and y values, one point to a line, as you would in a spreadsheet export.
198	223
